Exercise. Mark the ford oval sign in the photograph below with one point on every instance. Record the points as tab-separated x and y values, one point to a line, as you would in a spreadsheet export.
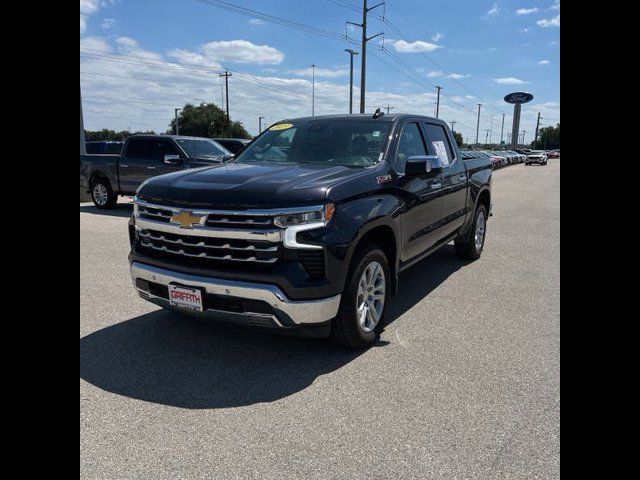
518	97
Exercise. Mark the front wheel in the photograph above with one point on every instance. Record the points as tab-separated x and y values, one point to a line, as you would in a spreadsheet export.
470	247
364	300
102	194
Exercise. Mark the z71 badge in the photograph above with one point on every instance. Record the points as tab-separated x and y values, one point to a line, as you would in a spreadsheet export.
383	179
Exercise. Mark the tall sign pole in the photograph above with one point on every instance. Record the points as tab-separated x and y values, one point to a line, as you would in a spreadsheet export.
478	125
438	104
517	99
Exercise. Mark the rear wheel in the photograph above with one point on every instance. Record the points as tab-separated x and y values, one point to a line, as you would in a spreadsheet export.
364	300
470	247
102	194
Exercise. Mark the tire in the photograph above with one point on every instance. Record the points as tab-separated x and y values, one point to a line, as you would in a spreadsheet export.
468	247
346	328
102	194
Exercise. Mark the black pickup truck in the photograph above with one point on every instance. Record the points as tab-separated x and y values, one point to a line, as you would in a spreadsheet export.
310	226
143	156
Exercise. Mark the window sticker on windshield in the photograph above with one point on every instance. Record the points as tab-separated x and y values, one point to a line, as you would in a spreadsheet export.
376	133
281	126
441	151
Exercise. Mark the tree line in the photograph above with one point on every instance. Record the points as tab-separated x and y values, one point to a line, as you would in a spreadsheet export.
204	120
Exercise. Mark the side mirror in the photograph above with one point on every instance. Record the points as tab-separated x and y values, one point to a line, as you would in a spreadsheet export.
425	165
172	159
228	157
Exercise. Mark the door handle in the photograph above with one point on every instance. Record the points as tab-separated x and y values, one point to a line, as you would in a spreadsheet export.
435	185
462	177
151	168
124	166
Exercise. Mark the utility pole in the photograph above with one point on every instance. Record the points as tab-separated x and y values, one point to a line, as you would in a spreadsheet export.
313	90
388	107
491	129
453	122
438	103
363	49
486	137
260	125
502	129
535	139
351	54
478	125
175	111
226	76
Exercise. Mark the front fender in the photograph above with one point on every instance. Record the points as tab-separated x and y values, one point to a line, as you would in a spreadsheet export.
351	222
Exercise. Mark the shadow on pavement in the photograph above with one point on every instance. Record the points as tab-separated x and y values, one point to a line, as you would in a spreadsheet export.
169	359
120	210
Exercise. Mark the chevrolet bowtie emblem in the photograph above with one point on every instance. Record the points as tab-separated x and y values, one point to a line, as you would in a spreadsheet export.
185	219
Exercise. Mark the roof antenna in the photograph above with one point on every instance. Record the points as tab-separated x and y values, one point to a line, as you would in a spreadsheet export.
378	113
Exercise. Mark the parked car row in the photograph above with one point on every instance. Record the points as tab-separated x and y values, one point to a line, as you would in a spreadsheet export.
498	159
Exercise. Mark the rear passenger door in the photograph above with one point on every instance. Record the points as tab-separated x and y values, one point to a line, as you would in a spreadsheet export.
132	163
454	178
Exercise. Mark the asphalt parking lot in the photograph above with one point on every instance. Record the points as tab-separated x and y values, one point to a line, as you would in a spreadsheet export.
463	384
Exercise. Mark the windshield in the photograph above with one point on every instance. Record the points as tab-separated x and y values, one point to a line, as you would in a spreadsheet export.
322	142
201	147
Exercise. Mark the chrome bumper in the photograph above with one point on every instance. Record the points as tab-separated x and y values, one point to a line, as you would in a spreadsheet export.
286	312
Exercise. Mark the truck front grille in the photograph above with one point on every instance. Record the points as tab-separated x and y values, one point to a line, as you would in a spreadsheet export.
210	247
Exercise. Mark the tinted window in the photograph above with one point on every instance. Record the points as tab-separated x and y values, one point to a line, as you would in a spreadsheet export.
162	148
411	144
137	148
438	143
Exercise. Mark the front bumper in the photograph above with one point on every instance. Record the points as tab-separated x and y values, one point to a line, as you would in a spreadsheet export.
242	302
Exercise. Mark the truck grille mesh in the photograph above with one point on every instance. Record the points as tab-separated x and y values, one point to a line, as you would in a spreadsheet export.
210	247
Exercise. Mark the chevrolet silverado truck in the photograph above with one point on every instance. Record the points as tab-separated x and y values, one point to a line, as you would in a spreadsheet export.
106	176
309	228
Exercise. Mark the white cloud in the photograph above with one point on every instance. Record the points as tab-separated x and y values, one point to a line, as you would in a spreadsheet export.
509	81
469	97
435	73
255	22
83	23
89	6
413	47
95	43
544	62
551	22
492	12
108	23
555	6
524	30
527	11
321	72
243	52
437	37
457	76
143	96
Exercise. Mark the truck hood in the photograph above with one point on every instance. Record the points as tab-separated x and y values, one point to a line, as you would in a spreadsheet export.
239	186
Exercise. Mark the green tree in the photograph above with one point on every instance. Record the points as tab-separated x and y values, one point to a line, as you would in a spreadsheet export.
206	120
105	134
549	138
458	137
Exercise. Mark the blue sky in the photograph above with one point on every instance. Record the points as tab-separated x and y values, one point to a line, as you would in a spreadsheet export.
141	59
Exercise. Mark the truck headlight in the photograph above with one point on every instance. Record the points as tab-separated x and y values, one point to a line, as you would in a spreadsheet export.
297	222
318	215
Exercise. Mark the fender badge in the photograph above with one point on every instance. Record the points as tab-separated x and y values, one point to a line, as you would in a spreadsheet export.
383	179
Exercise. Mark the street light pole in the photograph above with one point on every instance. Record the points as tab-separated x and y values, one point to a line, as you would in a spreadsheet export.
478	126
438	104
175	111
502	129
313	90
351	54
